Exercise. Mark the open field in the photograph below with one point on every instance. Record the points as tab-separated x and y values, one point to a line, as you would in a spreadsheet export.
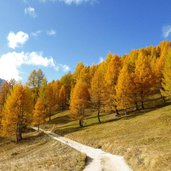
143	138
39	152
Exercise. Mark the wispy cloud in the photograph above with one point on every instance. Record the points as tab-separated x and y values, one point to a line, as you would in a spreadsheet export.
101	59
166	31
30	11
69	2
17	39
36	33
65	68
78	2
51	32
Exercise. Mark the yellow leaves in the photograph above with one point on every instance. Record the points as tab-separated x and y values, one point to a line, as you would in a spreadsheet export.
166	82
111	78
76	75
124	89
113	70
98	86
17	110
62	97
52	97
79	100
144	77
39	113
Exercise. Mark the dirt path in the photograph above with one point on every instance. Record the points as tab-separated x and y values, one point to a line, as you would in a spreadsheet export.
98	160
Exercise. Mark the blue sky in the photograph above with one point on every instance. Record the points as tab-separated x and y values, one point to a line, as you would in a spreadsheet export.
55	35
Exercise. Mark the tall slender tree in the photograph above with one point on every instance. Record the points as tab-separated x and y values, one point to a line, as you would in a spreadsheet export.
39	116
124	89
97	91
111	78
166	82
143	78
17	111
4	91
62	98
66	81
79	101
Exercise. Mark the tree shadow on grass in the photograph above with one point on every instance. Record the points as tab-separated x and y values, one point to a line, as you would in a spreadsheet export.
66	130
73	127
33	136
62	120
136	113
130	115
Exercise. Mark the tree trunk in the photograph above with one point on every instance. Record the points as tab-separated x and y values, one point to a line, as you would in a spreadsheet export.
126	113
18	134
116	110
164	100
142	105
98	116
136	105
81	123
38	127
49	117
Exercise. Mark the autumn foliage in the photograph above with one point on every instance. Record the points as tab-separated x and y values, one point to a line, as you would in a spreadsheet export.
39	115
17	111
79	101
116	85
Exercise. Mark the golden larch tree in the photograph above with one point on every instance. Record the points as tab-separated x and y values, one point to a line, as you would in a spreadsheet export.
17	111
66	80
79	101
4	90
124	89
77	73
166	82
97	90
62	98
144	78
39	116
111	78
50	99
164	47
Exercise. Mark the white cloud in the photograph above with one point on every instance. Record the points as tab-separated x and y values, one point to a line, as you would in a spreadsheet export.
16	40
30	11
12	61
69	2
166	31
38	59
51	32
101	59
36	33
65	68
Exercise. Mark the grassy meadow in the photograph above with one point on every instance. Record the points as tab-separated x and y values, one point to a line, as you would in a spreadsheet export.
142	137
39	152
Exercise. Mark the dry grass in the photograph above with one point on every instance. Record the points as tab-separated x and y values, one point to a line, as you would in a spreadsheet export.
143	139
38	152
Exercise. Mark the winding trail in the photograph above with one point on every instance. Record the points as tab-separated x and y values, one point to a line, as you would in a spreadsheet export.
98	160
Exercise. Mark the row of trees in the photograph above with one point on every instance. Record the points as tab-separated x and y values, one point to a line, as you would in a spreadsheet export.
30	104
116	84
120	83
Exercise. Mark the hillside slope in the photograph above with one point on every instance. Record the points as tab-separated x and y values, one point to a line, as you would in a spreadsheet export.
143	139
39	152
